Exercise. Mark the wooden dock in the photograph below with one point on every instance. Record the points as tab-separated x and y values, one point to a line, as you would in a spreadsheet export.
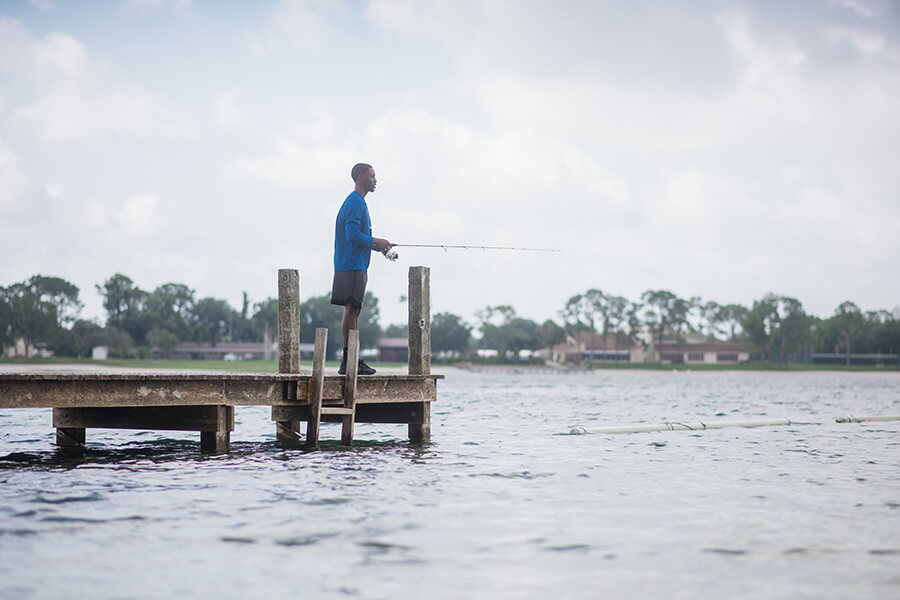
205	402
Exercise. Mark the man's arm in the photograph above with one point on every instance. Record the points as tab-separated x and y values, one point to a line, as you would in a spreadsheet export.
353	229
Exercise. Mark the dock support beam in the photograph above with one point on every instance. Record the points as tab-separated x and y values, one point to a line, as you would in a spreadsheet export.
288	344
214	422
420	341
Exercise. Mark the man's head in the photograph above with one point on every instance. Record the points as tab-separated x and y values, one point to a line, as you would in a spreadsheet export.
364	177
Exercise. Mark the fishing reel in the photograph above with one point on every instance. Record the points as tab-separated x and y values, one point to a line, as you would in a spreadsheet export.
391	255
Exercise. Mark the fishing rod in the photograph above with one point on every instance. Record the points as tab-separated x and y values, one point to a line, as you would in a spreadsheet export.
392	254
471	247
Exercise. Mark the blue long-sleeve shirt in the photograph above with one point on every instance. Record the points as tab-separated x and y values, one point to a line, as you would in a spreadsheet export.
353	242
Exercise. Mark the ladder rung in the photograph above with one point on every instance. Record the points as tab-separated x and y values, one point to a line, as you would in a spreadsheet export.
336	410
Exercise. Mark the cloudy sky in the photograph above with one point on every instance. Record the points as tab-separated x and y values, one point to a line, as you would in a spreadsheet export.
715	149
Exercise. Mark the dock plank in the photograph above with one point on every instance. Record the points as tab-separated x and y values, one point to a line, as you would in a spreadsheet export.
75	390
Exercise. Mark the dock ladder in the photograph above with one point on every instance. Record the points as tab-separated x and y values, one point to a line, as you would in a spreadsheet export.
346	410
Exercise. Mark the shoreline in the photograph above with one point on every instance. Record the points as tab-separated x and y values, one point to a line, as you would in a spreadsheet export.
164	366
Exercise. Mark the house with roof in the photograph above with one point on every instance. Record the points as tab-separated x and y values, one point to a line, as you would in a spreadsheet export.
586	346
393	350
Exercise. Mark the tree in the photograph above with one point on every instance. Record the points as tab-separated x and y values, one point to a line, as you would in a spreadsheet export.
729	319
617	317
790	322
318	311
59	293
396	330
504	331
211	319
6	324
449	333
490	319
265	318
520	334
121	345
705	316
125	306
121	299
664	311
850	318
163	339
85	336
552	334
759	324
171	307
582	310
37	309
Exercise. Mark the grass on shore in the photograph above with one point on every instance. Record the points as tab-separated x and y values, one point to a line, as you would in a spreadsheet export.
271	366
238	366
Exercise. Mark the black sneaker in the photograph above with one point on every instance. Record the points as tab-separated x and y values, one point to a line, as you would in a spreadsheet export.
362	369
365	369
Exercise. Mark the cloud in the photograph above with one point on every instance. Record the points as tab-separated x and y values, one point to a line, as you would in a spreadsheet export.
869	45
859	8
138	217
12	178
226	110
55	190
43	5
297	24
77	97
291	166
156	4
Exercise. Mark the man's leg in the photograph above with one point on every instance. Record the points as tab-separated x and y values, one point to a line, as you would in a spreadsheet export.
350	321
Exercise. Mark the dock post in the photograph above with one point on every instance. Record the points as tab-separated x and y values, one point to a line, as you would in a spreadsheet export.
350	388
70	436
288	344
218	440
316	387
420	341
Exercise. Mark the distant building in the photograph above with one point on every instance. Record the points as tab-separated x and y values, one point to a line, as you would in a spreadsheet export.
702	352
586	346
100	353
19	349
393	350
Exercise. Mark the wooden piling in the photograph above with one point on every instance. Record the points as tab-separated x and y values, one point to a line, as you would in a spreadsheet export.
347	418
420	341
316	385
288	344
216	438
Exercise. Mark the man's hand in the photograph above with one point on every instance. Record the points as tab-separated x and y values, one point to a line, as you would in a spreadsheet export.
382	245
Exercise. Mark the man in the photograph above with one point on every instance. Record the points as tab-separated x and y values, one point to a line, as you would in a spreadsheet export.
353	245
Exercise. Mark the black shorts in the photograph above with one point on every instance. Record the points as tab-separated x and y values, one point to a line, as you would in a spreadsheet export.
349	287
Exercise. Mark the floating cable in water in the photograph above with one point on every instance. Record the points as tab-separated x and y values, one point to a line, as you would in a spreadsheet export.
701	425
852	419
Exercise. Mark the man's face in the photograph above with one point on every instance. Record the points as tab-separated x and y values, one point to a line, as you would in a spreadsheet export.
368	181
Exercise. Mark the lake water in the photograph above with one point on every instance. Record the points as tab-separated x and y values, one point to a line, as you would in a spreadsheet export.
503	503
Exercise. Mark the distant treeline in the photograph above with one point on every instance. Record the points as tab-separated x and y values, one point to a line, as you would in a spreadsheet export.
44	312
